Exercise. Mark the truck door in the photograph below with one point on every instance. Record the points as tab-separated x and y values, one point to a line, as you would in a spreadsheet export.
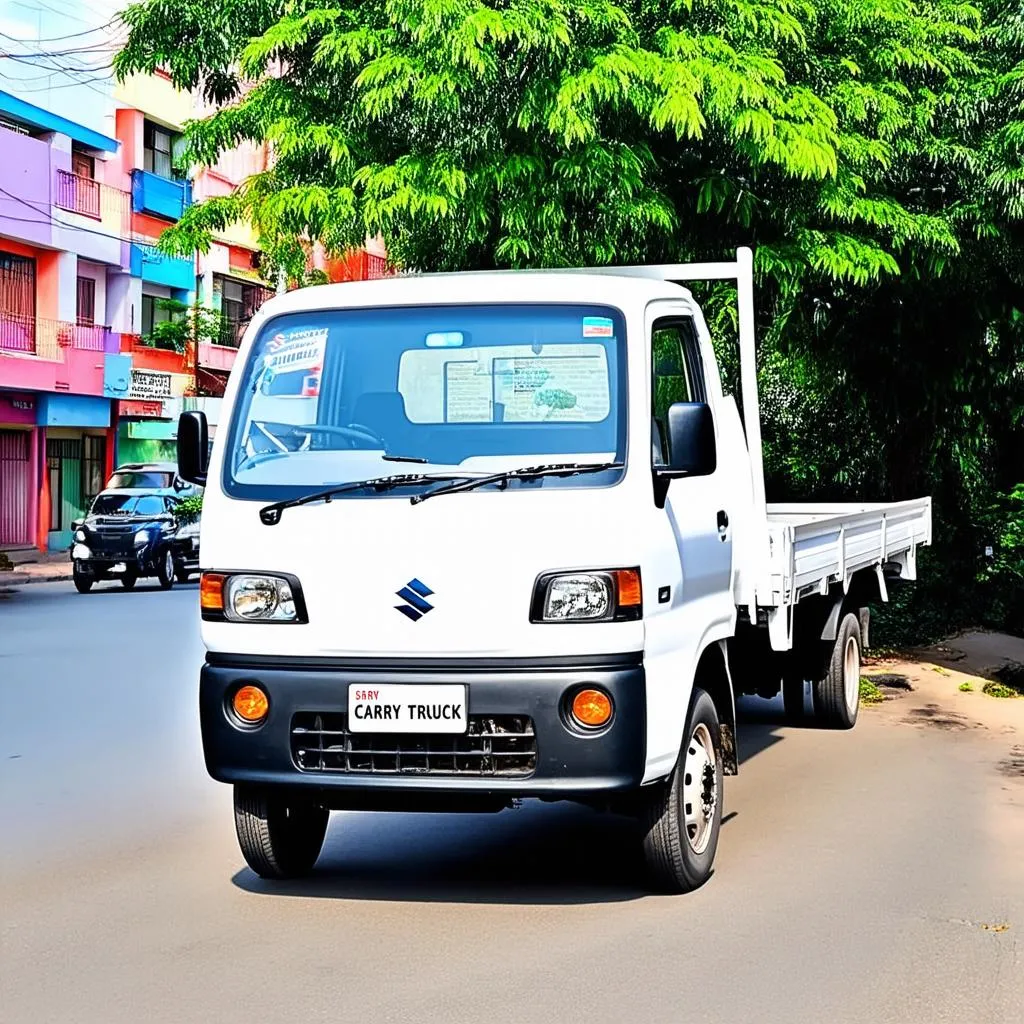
693	574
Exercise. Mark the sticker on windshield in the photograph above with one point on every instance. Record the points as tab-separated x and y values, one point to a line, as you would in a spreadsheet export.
597	327
294	362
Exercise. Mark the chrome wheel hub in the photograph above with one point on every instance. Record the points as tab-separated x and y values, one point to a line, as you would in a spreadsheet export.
700	788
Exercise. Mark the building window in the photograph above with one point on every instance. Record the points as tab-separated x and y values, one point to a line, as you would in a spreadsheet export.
158	145
82	165
85	309
238	304
153	312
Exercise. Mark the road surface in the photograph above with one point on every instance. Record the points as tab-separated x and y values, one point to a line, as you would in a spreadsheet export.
870	876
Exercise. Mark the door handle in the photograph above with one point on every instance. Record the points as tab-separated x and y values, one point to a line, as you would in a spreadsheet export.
723	524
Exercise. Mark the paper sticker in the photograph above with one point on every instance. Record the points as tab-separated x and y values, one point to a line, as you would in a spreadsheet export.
597	327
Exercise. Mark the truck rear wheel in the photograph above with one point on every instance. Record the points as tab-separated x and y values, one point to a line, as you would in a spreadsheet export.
837	693
279	839
682	816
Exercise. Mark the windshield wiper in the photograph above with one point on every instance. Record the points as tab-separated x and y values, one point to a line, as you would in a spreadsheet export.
527	473
270	515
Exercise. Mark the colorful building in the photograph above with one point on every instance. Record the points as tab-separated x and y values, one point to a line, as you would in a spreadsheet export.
90	375
64	275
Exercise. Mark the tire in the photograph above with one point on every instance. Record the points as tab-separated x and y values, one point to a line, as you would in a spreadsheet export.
680	839
128	580
165	569
83	581
278	840
837	693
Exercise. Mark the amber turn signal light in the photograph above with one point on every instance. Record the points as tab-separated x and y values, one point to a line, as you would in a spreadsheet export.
630	592
251	704
211	592
592	708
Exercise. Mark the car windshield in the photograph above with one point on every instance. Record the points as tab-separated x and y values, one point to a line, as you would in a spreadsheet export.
134	478
128	505
336	396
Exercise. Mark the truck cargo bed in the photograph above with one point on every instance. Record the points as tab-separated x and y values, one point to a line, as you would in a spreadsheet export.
813	546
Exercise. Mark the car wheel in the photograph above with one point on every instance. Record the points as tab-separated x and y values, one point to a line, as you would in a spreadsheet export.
837	693
683	815
165	570
129	579
279	837
83	580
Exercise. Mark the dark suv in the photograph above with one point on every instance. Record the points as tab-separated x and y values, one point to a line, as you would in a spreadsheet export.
133	533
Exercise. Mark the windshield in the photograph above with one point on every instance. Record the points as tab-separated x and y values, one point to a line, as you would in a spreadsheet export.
336	396
140	478
128	505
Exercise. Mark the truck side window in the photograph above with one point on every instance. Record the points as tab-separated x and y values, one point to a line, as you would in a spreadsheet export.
678	377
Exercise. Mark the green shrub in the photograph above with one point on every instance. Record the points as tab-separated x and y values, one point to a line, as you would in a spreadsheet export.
189	509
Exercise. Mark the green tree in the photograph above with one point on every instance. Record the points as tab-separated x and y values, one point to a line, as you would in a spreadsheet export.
869	150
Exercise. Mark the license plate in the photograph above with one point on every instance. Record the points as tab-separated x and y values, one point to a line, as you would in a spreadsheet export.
401	707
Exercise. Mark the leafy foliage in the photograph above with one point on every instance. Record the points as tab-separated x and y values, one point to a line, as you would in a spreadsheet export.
189	509
184	324
872	151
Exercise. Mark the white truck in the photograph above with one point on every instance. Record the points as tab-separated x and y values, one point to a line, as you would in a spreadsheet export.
510	542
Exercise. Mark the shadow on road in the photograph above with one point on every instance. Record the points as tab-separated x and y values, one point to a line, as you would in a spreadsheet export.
147	584
538	854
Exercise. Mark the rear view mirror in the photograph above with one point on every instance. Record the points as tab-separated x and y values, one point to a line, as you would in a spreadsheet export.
193	447
691	441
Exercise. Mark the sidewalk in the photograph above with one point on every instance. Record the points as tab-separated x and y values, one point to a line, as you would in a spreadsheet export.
32	566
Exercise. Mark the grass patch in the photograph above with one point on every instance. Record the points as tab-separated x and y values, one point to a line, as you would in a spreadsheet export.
965	688
940	670
869	692
1012	675
994	689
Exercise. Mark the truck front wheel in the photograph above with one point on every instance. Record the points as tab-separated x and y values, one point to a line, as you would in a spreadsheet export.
83	579
837	693
279	839
682	817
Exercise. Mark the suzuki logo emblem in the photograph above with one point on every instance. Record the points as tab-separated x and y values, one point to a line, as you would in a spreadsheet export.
415	595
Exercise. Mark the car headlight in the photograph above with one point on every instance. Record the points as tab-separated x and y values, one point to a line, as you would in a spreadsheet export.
251	597
614	595
141	538
80	536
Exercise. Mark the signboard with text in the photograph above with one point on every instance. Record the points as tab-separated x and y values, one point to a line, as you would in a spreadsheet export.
149	385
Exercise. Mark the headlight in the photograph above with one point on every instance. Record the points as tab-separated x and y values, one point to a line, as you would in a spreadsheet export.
587	596
142	538
609	596
256	598
80	536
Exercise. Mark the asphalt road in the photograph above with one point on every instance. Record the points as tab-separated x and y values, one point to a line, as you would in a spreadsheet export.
870	876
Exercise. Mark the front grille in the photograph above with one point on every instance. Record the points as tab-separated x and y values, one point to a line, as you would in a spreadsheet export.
121	545
494	745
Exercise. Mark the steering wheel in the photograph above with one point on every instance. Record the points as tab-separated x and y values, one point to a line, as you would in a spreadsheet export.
353	432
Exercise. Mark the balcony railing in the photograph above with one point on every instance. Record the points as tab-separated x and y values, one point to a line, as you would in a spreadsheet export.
166	197
231	332
93	199
47	339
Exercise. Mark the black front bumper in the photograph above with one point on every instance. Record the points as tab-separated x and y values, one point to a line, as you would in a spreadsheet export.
570	764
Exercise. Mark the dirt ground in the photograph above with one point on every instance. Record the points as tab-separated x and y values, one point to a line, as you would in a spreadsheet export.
923	688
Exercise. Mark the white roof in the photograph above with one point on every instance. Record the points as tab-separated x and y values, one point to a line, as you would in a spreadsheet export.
602	288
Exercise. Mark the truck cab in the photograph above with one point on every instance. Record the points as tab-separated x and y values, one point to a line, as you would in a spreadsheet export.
474	538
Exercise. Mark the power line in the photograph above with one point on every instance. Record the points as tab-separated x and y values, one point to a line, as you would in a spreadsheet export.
70	35
62	71
71	227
